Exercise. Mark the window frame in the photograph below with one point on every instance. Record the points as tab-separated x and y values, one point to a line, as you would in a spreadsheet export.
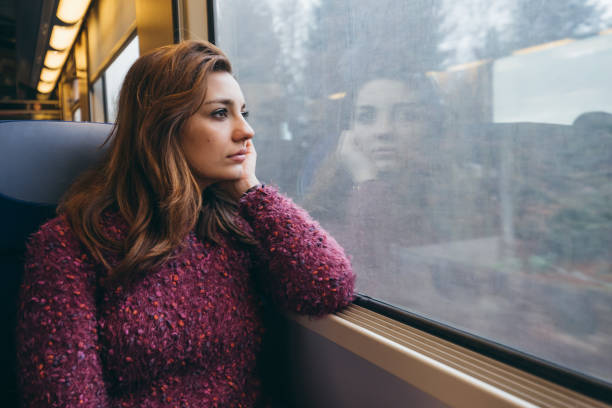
573	380
91	92
101	74
456	376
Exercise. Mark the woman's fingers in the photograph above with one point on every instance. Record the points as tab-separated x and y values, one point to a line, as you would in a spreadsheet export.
250	163
250	147
356	161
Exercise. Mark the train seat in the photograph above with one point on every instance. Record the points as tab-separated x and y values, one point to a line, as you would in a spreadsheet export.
38	162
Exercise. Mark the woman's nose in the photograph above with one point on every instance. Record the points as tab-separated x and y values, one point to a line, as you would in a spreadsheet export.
243	130
384	127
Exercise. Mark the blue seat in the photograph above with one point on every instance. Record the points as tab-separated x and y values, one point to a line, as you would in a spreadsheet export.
38	162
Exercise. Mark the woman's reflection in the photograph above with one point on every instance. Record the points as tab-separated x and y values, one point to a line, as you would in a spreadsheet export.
393	123
379	190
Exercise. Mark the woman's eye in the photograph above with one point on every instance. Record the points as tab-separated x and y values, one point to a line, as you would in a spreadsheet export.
220	113
366	116
407	115
245	114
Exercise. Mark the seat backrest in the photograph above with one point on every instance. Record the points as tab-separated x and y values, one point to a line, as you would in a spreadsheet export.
38	162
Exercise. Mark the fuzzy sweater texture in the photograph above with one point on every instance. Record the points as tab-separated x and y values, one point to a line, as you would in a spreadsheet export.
188	333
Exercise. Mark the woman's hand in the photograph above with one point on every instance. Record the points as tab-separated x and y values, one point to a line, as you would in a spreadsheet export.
236	188
361	167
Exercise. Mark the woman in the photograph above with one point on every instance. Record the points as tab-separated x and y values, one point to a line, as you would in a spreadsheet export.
394	125
372	191
394	185
143	292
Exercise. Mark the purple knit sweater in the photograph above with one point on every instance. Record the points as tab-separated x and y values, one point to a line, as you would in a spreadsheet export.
188	333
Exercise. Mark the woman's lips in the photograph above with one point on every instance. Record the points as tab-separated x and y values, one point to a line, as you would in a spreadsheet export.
384	152
238	156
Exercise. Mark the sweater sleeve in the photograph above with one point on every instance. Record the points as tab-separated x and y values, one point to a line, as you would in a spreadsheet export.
57	341
302	268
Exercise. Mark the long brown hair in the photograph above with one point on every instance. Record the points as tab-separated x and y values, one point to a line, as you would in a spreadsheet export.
144	174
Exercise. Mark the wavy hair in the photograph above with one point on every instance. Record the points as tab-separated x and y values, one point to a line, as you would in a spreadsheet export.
144	175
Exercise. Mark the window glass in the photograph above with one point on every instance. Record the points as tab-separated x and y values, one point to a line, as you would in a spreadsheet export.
460	151
74	94
114	75
96	100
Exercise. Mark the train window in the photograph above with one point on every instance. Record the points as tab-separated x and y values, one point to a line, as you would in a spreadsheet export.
96	100
76	115
104	92
114	74
461	151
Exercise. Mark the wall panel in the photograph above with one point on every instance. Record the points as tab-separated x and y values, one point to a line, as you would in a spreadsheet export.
110	23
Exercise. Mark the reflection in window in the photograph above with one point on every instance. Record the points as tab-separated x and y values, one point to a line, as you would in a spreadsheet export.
461	151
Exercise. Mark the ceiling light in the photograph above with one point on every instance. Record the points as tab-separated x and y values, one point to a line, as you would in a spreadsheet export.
49	75
45	87
55	59
71	11
62	37
336	96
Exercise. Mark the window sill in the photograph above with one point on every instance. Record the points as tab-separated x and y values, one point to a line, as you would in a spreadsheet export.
452	374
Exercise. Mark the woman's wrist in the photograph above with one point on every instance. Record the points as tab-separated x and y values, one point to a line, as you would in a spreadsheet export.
253	188
243	185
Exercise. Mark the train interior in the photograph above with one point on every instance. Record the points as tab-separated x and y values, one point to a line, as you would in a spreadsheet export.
482	241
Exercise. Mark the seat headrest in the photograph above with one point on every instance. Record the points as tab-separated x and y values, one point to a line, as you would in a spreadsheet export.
38	162
40	159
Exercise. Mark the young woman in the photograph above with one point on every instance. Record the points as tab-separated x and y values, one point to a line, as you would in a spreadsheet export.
144	291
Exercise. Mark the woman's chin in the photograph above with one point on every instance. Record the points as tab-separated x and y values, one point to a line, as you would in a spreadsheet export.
234	174
386	165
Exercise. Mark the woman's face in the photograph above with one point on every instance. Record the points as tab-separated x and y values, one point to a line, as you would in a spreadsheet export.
214	138
391	123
